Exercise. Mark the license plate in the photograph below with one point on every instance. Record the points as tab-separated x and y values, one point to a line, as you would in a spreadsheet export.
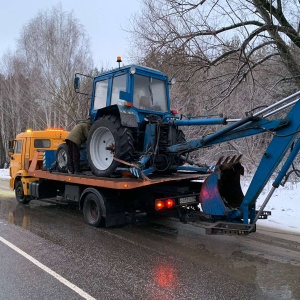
186	200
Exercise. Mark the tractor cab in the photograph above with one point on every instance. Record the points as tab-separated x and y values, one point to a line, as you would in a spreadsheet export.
128	106
142	88
134	90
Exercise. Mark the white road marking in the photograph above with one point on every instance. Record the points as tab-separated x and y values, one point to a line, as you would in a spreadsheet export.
69	284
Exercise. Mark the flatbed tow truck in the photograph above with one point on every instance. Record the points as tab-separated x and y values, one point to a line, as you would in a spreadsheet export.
139	159
106	200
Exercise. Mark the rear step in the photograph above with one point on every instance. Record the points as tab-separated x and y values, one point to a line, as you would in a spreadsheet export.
203	220
230	228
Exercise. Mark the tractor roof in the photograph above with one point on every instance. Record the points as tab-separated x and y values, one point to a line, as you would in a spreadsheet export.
137	67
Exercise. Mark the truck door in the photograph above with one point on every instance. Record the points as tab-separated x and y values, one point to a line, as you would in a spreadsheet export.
27	155
16	159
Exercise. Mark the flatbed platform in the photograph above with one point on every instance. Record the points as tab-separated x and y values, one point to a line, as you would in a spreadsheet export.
125	183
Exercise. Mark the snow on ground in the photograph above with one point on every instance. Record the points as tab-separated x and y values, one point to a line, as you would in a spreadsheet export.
284	204
4	173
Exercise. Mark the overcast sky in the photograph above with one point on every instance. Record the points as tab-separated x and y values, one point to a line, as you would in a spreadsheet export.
103	21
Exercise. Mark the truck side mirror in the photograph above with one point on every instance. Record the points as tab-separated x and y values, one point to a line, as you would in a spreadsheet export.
76	83
10	147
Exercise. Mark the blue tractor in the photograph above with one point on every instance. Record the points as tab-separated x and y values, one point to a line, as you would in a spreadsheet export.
134	130
133	124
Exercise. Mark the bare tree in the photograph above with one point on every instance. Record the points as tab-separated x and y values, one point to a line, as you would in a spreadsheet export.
36	82
229	57
54	46
209	33
15	102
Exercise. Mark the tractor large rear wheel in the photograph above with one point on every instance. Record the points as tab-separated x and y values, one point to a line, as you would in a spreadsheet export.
108	139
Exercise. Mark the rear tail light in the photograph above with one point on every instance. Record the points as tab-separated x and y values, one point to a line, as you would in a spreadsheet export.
159	205
170	203
164	203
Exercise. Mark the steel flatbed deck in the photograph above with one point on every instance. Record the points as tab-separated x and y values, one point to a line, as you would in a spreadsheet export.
124	183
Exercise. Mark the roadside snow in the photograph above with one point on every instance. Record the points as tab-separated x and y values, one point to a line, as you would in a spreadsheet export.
4	173
284	204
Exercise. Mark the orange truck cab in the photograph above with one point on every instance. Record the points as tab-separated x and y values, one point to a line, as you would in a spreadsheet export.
21	153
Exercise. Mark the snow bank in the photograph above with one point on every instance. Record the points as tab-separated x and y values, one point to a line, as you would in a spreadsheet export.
4	173
284	206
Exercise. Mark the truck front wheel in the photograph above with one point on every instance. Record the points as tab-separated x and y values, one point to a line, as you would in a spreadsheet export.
92	210
19	192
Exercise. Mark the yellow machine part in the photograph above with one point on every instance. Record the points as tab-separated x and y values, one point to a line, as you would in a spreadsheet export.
25	182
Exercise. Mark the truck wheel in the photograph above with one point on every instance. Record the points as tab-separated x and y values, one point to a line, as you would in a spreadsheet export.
19	192
92	210
108	139
62	157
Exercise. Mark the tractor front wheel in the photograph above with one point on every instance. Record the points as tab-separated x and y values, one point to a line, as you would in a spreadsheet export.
62	157
108	139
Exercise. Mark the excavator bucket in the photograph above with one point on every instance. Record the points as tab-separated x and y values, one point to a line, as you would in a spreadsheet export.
221	191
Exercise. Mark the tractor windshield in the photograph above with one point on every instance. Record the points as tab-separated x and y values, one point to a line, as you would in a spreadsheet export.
149	93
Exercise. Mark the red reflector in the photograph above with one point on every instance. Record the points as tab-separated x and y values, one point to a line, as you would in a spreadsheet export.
170	203
174	111
159	204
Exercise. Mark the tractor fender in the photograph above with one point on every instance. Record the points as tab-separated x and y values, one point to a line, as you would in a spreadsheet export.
98	195
128	116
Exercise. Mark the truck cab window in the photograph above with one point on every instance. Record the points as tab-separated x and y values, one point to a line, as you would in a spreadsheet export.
40	143
18	147
119	84
100	94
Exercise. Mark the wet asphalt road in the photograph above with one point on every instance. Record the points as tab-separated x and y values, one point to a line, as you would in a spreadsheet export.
153	259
